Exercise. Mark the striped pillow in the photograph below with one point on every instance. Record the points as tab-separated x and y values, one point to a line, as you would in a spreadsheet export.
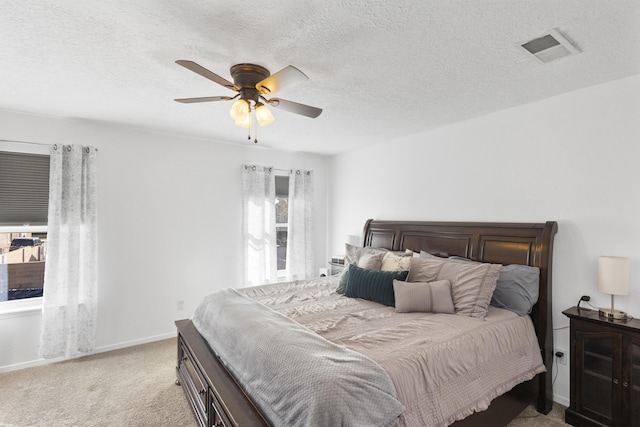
432	297
373	285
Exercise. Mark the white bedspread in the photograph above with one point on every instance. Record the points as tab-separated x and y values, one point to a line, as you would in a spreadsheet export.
443	366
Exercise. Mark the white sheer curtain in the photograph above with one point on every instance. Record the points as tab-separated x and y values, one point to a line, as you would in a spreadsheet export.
259	225
71	271
299	239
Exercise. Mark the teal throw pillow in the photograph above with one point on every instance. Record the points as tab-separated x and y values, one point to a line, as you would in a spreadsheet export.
373	285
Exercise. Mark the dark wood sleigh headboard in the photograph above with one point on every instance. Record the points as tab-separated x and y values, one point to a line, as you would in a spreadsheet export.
500	243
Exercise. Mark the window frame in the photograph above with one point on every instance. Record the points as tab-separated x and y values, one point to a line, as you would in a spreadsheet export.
284	272
22	306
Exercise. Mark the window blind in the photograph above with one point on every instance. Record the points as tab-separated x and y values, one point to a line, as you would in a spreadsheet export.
24	188
282	186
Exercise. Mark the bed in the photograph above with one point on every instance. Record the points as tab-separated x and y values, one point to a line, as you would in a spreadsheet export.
218	400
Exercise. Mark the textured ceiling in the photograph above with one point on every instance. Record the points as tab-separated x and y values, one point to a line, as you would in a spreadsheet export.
379	69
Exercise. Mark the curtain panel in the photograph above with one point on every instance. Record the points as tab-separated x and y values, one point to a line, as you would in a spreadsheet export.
259	225
300	262
69	309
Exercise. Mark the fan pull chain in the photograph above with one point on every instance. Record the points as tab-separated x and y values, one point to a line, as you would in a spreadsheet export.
255	140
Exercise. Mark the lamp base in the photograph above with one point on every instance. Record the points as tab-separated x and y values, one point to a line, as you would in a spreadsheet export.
612	314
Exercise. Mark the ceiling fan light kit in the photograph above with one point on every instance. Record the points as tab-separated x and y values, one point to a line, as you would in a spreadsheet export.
239	109
253	82
263	114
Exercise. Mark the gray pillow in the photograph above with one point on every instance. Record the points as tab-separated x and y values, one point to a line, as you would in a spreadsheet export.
472	284
517	287
433	297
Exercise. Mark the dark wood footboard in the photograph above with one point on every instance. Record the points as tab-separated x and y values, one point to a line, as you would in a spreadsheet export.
215	397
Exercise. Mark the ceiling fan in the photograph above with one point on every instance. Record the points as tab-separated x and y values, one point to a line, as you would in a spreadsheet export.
253	83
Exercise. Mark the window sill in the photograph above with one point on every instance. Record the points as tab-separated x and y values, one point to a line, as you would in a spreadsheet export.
20	307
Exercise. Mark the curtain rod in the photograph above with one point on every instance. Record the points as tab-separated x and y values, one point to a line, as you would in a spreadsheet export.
42	144
23	142
275	169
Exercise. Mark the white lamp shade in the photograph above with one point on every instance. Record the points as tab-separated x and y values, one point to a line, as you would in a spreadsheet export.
613	275
354	240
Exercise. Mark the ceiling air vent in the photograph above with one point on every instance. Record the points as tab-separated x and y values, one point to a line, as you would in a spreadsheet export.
549	47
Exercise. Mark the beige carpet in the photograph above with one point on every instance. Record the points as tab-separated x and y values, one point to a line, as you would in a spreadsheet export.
129	387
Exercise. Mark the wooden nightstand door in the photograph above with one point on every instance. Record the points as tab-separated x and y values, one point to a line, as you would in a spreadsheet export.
598	374
631	380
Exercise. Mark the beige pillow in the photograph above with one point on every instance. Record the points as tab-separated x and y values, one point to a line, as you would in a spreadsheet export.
434	297
393	262
472	285
371	261
353	253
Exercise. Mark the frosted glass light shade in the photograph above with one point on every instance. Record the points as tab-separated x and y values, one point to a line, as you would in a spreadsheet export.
239	109
613	275
263	114
244	121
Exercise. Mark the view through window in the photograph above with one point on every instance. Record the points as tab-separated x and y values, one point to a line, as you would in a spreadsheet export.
282	220
24	202
22	258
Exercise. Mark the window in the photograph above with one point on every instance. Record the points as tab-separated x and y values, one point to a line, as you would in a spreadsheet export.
282	221
24	201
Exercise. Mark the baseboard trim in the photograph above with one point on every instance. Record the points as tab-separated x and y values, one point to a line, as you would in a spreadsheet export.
561	400
135	342
103	349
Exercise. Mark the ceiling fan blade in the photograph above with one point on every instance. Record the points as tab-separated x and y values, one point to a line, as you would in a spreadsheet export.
199	69
294	107
203	99
287	77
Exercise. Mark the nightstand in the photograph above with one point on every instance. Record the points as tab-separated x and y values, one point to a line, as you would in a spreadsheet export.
335	268
605	370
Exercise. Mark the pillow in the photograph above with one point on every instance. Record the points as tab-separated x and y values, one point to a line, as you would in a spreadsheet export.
472	284
517	287
425	254
342	281
373	285
393	262
353	253
371	260
433	297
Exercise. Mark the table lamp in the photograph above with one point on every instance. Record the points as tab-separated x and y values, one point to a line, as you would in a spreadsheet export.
613	278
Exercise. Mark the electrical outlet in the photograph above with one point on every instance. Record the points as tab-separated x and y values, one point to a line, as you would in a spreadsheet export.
561	355
180	305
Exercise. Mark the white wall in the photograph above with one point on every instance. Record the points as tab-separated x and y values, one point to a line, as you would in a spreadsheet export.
169	226
572	158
